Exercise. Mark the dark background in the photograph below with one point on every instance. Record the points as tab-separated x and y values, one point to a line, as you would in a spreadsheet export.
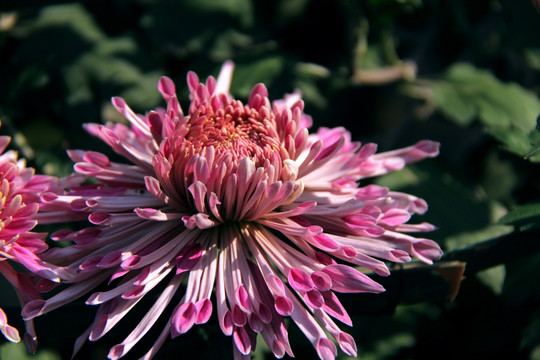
475	90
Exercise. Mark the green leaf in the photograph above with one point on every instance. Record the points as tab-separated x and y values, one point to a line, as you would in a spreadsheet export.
509	112
389	347
534	139
18	351
72	15
514	140
307	76
289	10
115	46
240	9
493	278
225	44
246	75
142	94
497	103
467	238
532	56
535	354
522	215
454	103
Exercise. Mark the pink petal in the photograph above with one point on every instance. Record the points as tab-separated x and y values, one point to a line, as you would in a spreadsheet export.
241	340
332	306
314	298
360	221
347	344
321	280
204	311
394	217
239	317
326	349
300	280
33	309
184	318
166	87
188	258
283	305
242	297
348	280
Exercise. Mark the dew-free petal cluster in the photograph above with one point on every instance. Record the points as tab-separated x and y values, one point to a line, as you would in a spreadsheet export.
20	191
235	210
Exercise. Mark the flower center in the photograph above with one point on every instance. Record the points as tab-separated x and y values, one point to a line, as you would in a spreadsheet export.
236	129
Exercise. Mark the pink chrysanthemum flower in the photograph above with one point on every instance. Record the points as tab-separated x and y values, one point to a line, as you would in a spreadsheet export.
237	200
20	193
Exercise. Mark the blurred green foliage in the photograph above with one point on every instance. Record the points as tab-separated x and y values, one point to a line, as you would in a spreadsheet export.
17	351
464	73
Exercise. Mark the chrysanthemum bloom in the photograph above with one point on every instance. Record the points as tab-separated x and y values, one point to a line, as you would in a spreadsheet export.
19	204
236	200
